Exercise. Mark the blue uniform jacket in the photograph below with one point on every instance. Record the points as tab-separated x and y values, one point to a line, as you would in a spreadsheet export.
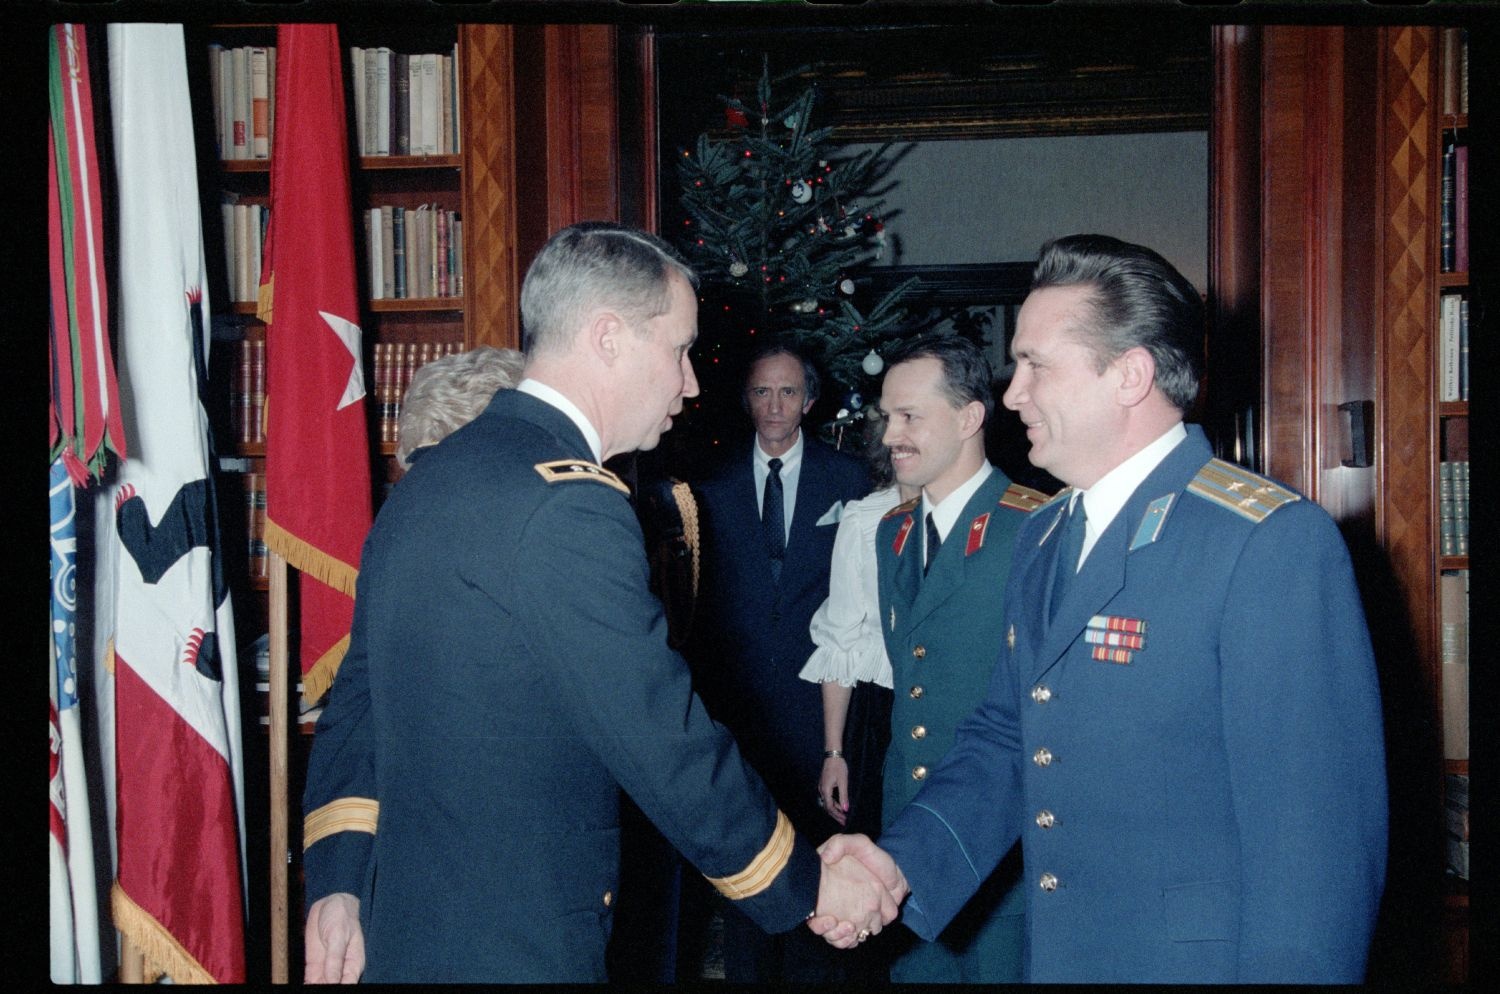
1192	753
752	636
508	674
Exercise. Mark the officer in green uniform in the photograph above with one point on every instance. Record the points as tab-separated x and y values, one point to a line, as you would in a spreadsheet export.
943	561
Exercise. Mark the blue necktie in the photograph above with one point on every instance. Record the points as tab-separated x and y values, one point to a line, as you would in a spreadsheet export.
773	519
1069	546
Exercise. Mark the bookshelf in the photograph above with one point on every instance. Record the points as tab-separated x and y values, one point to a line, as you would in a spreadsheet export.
1450	399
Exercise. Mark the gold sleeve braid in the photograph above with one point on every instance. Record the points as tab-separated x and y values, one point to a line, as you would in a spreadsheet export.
347	814
687	509
763	870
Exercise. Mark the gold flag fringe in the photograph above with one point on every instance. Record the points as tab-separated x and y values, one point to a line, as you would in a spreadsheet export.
109	656
263	297
310	559
162	952
319	677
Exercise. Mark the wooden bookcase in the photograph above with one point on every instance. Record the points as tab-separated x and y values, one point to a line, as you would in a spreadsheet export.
478	181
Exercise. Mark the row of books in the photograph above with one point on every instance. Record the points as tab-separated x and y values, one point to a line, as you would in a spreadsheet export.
1453	232
1456	811
306	713
414	252
1453	347
244	234
248	392
395	364
405	104
1455	71
243	82
255	522
1453	613
1453	507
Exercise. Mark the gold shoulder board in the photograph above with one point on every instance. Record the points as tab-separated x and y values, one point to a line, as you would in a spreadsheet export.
1245	493
904	508
565	470
1021	498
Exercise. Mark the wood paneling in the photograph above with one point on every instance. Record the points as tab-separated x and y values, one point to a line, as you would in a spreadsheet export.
492	277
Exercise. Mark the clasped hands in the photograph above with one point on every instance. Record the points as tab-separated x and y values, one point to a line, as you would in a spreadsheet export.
860	891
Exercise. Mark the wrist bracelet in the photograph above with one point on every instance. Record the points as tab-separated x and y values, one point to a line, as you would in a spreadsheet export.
832	754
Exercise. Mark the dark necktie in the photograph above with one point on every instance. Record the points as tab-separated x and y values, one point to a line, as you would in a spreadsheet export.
934	541
1069	546
773	519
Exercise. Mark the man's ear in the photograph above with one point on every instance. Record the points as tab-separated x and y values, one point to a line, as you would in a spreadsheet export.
604	335
1137	375
970	418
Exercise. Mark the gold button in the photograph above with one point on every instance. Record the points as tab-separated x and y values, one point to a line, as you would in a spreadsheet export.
919	773
1045	819
609	898
1048	882
1042	757
919	732
920	652
1041	694
916	693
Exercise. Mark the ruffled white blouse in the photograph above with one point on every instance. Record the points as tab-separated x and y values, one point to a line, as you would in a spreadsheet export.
846	627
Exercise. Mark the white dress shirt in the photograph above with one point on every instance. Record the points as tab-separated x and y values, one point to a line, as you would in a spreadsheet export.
1106	497
543	392
791	468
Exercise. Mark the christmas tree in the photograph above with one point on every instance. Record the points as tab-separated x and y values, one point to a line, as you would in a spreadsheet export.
780	226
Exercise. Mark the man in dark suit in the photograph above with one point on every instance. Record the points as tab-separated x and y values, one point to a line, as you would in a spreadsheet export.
764	576
508	674
1184	724
943	562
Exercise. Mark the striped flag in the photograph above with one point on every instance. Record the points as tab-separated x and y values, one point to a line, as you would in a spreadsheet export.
178	892
72	899
85	410
317	445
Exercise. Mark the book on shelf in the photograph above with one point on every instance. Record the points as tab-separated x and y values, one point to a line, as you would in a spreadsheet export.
1461	507
255	523
1456	822
260	104
404	81
1461	209
1447	537
1454	612
431	112
384	65
250	394
1446	193
398	251
1463	349
374	236
239	102
1450	314
387	253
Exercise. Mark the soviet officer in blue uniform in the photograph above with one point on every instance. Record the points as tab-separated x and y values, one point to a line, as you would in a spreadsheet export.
1184	726
943	559
508	674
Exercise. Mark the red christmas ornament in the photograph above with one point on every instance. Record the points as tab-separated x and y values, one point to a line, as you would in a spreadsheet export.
735	117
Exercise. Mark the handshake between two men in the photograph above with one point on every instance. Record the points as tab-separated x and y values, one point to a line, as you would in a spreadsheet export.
860	891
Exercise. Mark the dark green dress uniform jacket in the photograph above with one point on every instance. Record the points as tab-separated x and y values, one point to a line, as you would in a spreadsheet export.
943	633
508	674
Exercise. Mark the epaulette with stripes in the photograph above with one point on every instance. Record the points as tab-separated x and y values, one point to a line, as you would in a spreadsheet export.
567	470
1245	493
904	508
1019	498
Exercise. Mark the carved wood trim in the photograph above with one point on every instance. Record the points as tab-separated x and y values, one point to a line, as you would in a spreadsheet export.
1410	173
491	277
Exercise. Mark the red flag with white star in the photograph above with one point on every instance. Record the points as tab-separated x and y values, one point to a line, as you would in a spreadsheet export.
317	447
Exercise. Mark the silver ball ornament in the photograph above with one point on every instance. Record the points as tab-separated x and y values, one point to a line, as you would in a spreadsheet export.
872	364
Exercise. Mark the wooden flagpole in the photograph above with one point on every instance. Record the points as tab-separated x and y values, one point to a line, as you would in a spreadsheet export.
280	852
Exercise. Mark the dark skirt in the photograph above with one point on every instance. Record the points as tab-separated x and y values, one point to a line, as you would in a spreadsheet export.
867	733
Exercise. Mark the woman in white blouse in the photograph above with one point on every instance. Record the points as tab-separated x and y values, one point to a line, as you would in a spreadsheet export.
849	657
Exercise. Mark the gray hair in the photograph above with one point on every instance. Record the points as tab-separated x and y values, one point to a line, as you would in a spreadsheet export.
448	393
595	264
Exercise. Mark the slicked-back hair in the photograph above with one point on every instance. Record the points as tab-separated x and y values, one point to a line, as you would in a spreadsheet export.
590	265
812	379
448	393
1137	299
967	375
